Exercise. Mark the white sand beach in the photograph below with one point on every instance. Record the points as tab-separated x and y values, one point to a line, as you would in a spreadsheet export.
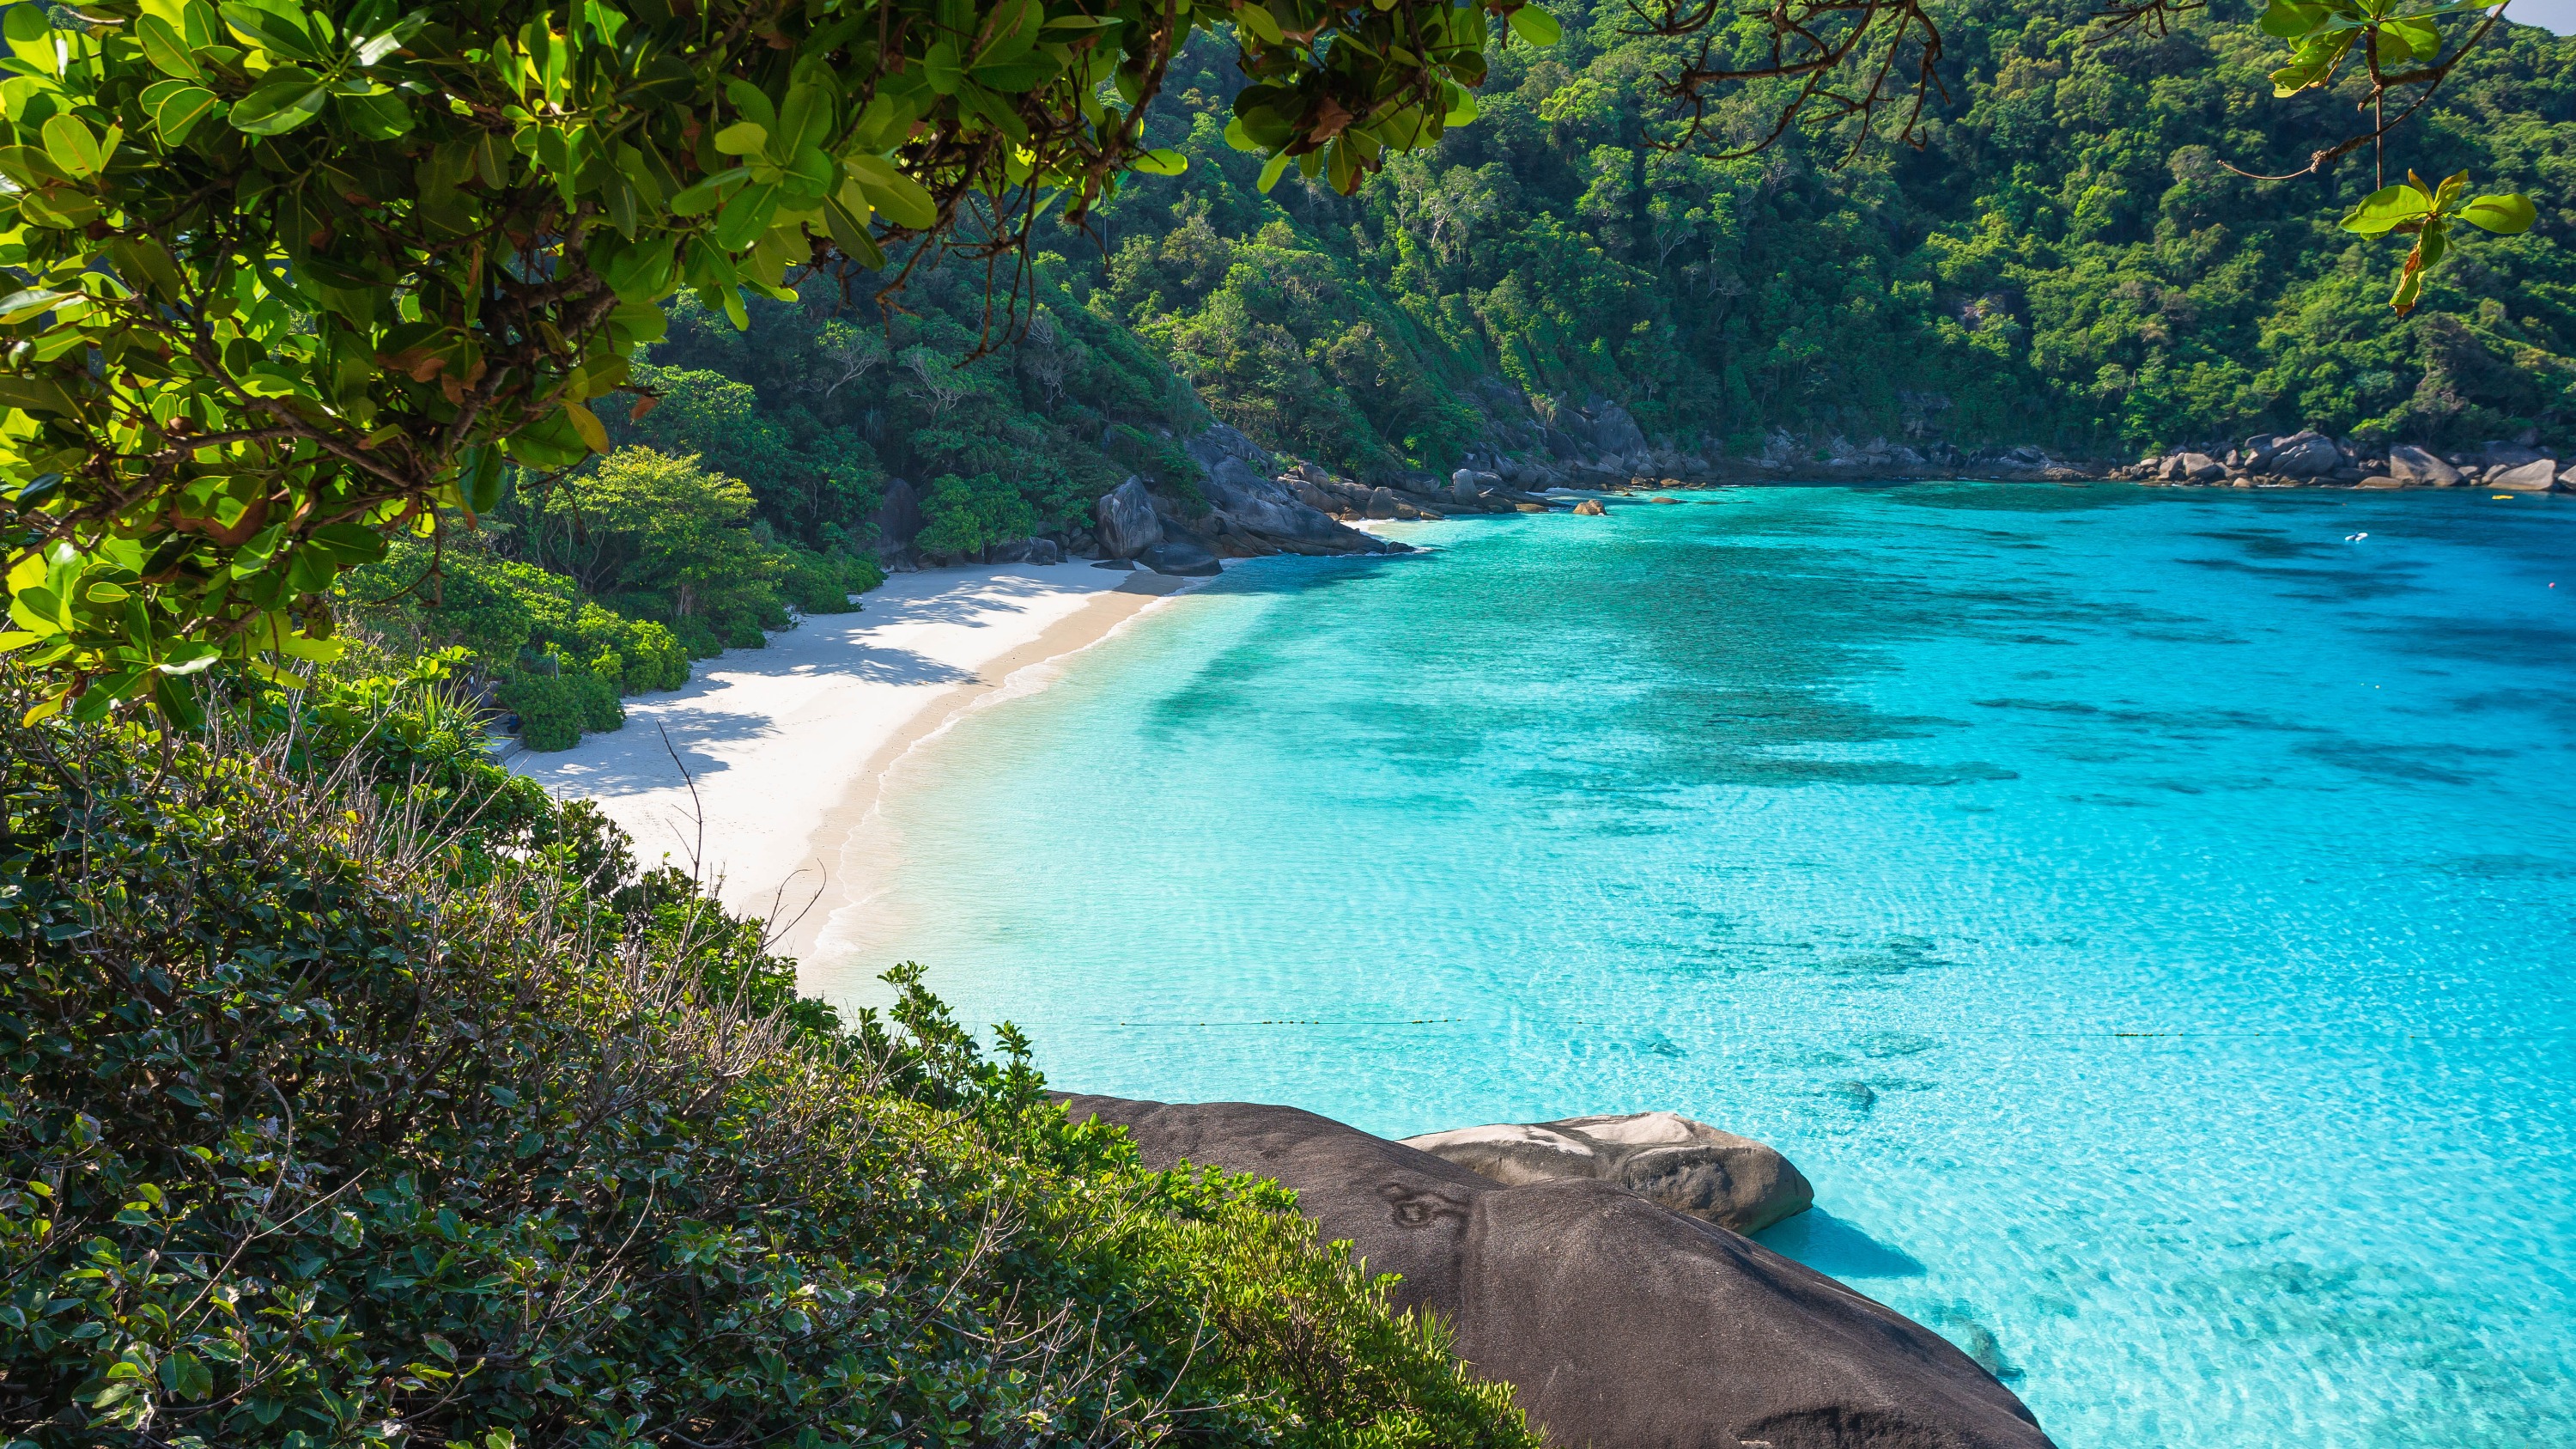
782	747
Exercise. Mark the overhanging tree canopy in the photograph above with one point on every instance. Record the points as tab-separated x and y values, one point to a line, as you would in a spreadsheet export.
292	276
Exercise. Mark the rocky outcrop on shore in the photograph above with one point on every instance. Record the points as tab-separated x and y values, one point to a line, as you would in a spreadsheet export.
1252	503
1620	1323
1663	1157
2312	459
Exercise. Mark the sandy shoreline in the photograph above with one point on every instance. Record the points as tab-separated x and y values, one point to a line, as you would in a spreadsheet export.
784	747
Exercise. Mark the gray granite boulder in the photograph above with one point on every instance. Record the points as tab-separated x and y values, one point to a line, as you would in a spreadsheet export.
2421	468
1026	550
1272	511
2305	455
1182	556
1664	1157
1126	522
1620	1324
898	517
2537	476
2196	468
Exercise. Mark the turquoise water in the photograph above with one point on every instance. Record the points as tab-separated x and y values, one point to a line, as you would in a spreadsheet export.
2144	914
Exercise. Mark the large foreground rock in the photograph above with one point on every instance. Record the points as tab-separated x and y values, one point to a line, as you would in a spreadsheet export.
1621	1325
1127	525
1663	1157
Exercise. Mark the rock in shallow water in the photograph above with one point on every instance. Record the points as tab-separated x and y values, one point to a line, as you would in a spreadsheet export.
1620	1324
1664	1157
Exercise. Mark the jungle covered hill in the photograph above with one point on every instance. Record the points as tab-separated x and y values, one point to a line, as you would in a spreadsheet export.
2067	261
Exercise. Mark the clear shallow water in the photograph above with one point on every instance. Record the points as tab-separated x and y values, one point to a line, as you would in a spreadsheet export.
2144	914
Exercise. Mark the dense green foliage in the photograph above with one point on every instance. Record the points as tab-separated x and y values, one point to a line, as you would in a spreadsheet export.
2067	262
291	276
819	403
369	1097
603	584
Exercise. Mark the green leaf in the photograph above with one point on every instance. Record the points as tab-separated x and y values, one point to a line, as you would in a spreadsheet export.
73	145
2403	40
2313	64
176	107
2433	245
940	65
901	198
1536	26
1271	173
742	138
746	216
2506	215
31	36
2410	288
379	116
271	31
706	195
2385	208
2290	19
753	103
34	301
1260	22
166	49
1239	138
850	234
280	106
586	423
1162	161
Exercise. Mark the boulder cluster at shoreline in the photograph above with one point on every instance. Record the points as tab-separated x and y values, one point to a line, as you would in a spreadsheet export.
1253	503
2311	459
1258	503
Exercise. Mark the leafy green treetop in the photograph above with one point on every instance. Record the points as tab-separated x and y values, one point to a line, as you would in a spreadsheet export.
289	278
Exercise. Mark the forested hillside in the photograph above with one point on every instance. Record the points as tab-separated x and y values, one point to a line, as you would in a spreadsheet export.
2068	262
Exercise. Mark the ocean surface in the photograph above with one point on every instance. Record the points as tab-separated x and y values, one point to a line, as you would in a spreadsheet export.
2145	914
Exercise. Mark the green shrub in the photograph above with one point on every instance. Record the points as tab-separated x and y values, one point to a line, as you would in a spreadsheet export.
496	609
821	583
969	515
316	1129
550	714
698	638
595	699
